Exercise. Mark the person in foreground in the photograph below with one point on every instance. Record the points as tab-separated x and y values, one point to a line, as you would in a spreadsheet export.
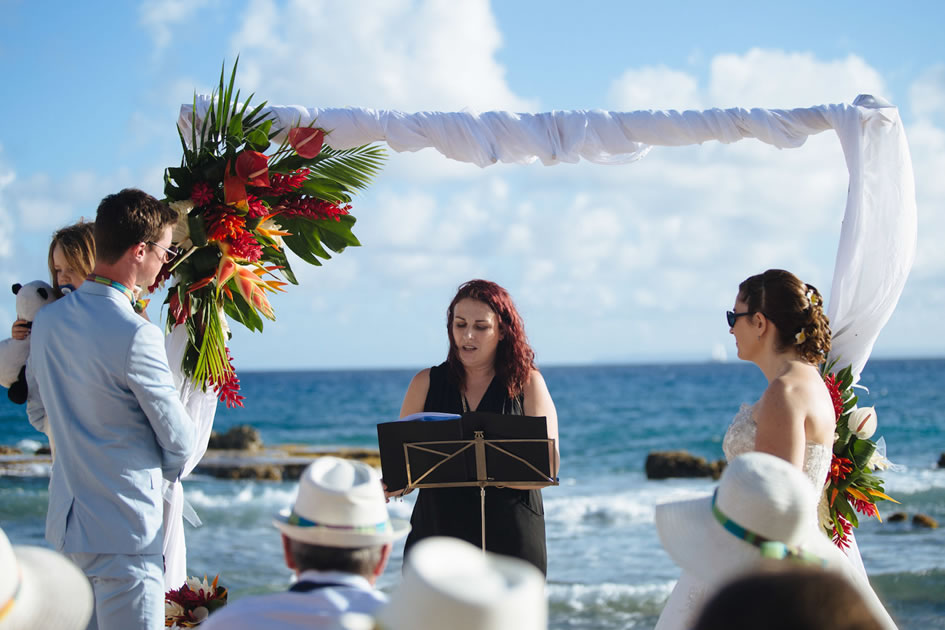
489	367
107	395
449	583
337	539
779	325
762	515
804	598
40	589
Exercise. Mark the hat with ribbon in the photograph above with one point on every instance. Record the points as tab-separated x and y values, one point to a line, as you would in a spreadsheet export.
763	508
449	583
340	503
40	588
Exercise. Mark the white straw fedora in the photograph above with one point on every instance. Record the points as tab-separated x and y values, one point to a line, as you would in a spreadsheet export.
40	588
340	503
763	508
449	583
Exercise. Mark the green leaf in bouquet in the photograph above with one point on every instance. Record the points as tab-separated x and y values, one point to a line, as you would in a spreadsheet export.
301	248
205	260
239	310
862	451
326	190
258	140
341	229
234	130
198	231
353	169
277	256
843	507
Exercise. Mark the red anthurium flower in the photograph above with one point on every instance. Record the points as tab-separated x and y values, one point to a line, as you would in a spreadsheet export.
307	141
234	190
253	168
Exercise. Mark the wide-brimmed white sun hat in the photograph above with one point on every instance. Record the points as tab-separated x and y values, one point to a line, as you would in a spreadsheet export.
449	583
340	503
763	508
40	588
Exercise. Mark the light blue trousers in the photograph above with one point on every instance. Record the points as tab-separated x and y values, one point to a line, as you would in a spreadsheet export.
129	590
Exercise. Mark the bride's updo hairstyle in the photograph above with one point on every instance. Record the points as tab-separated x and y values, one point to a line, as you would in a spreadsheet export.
796	310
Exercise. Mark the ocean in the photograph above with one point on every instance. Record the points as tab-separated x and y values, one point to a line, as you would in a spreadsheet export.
606	568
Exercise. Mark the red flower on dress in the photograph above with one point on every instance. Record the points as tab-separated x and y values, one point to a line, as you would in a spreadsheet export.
223	224
834	388
840	467
864	507
245	247
201	194
840	536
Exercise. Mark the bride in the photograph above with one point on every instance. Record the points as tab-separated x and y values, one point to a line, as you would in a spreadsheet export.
779	325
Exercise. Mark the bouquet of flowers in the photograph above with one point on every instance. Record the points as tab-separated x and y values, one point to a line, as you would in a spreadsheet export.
851	486
193	602
241	202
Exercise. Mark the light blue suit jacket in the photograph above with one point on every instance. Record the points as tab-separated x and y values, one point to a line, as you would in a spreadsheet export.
107	396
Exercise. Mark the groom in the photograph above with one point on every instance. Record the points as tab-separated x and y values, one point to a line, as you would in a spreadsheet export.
107	395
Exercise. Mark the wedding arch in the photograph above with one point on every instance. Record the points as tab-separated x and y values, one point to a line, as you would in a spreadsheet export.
877	239
878	235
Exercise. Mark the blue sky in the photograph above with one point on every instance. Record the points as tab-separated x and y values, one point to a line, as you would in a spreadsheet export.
632	263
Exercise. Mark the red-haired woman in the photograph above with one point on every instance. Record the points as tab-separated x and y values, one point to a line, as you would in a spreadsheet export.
490	367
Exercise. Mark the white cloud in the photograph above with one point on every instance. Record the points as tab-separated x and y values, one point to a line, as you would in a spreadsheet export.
6	219
656	87
927	93
406	54
778	79
162	16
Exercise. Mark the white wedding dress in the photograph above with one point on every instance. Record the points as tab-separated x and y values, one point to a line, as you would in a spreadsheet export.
689	594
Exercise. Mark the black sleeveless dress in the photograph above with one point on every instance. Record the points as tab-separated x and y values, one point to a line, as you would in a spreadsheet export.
515	519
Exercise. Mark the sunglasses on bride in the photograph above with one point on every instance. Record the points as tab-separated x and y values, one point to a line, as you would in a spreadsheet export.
731	317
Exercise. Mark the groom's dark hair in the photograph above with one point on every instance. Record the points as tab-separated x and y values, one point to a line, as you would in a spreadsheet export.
127	218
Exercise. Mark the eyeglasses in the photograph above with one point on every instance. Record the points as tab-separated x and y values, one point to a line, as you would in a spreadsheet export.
731	317
170	253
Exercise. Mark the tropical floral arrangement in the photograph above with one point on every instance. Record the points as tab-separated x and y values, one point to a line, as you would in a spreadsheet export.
193	602
242	201
851	487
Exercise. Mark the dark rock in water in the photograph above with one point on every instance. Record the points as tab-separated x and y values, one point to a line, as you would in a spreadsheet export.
239	438
282	463
897	517
9	450
941	461
43	450
921	520
670	464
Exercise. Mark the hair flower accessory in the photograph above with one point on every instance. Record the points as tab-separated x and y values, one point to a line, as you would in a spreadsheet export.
800	337
813	298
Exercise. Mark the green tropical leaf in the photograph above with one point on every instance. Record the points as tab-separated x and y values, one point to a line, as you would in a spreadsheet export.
300	247
277	256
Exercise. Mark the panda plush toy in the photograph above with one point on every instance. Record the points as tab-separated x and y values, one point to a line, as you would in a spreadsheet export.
30	297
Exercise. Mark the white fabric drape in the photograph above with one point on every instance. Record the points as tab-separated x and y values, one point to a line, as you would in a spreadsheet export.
878	237
202	407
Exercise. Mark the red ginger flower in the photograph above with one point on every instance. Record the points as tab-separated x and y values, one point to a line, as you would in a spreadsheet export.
245	247
834	388
201	194
222	224
840	467
840	536
257	209
283	184
228	389
864	507
310	208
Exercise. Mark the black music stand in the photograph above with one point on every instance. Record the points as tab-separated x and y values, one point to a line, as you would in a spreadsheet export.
479	449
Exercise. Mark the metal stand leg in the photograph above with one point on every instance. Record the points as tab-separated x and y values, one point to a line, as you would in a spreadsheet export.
482	512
